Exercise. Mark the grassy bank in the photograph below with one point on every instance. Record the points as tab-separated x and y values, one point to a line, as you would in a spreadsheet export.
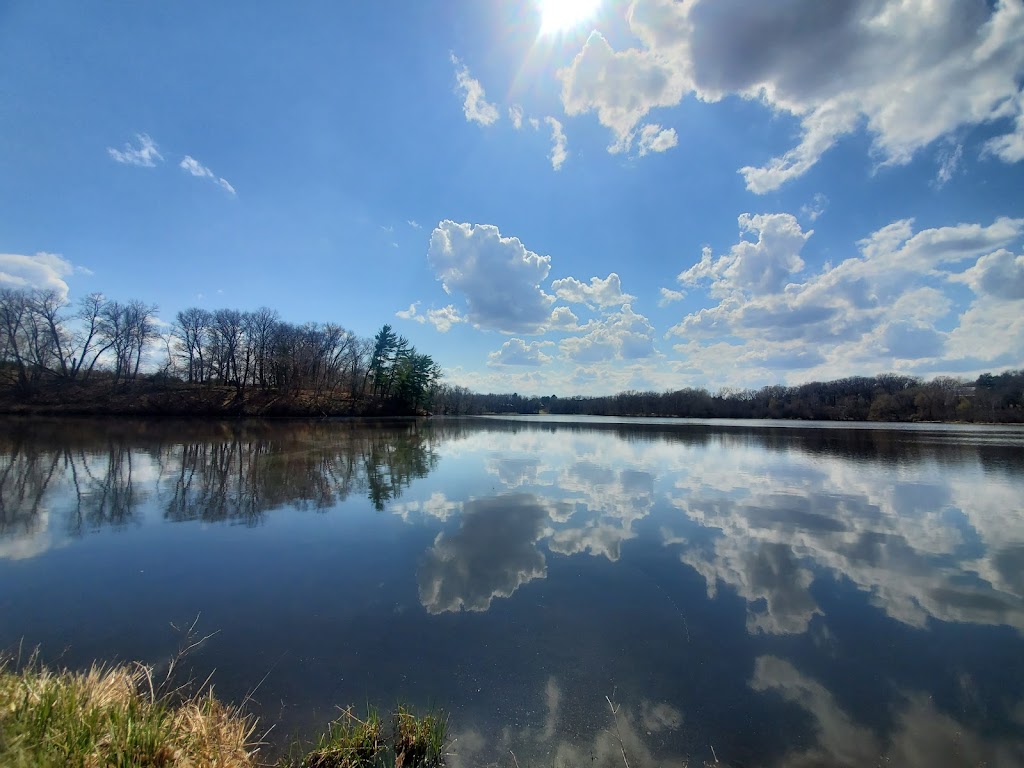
169	398
117	717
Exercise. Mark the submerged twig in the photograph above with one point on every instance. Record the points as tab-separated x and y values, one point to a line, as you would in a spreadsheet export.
618	735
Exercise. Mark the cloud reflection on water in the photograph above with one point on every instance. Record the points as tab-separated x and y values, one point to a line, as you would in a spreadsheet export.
493	553
925	529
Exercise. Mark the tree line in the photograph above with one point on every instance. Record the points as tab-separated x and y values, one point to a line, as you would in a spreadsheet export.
46	340
887	397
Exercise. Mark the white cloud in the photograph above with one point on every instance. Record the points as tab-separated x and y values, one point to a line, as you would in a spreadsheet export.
622	335
46	271
499	278
999	275
949	164
812	210
908	72
1010	147
519	352
196	168
475	105
443	319
654	138
534	123
493	553
146	155
515	114
411	313
669	296
414	224
621	87
558	141
878	310
599	293
759	267
562	319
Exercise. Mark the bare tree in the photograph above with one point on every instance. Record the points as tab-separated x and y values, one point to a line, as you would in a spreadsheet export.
14	309
192	326
89	340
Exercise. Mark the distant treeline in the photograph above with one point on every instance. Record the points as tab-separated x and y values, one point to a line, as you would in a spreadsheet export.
51	350
888	397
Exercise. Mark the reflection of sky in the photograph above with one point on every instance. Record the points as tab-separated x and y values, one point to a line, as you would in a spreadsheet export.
492	554
923	541
856	594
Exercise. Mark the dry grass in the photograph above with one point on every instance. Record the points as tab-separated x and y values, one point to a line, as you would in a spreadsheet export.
116	717
113	717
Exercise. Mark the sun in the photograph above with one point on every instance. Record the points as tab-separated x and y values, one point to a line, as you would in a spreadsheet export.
562	15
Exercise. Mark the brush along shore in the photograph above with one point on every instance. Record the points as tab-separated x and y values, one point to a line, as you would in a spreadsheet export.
117	717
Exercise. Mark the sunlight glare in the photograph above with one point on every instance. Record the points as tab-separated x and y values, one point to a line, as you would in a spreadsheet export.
563	15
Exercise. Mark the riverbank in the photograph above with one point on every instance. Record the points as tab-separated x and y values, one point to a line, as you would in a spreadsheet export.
121	717
174	399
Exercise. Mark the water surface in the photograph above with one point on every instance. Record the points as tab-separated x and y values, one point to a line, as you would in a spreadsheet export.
781	593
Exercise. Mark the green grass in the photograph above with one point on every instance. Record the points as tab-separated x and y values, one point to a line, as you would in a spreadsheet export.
115	717
353	742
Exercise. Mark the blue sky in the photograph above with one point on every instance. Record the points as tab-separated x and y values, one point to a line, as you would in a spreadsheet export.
656	194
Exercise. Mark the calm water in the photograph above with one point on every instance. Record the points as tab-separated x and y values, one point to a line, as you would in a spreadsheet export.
784	594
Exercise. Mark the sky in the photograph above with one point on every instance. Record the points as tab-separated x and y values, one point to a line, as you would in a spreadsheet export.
575	197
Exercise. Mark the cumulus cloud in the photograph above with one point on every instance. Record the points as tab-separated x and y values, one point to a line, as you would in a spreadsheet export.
499	278
668	296
411	313
760	267
196	168
622	87
654	138
145	155
999	275
599	293
519	352
622	335
1010	147
443	319
493	553
562	319
878	308
907	75
46	271
558	141
475	105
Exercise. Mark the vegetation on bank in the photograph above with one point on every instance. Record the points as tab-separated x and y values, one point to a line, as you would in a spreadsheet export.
56	357
117	717
888	397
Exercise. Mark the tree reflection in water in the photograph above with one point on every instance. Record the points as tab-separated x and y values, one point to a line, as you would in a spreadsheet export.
100	475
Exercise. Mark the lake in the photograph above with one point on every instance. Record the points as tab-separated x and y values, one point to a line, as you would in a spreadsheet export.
756	593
